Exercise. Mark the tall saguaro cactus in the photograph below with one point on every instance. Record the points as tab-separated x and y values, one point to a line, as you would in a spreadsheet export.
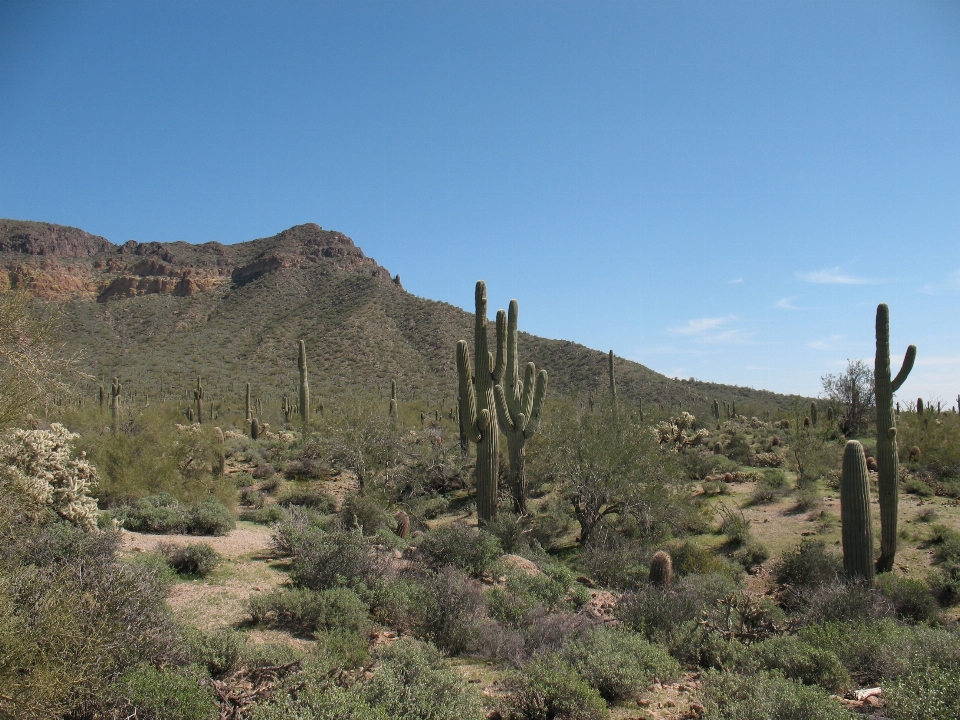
393	399
304	383
856	527
477	410
198	398
115	402
613	382
887	461
519	403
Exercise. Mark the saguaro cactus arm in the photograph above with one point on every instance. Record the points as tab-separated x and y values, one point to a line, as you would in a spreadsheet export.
906	367
468	396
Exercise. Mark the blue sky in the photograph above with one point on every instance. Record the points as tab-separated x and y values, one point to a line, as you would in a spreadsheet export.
719	190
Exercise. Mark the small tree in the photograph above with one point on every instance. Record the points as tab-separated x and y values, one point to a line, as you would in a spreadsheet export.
606	466
854	391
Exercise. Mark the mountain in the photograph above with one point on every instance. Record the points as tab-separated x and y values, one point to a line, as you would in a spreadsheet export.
159	314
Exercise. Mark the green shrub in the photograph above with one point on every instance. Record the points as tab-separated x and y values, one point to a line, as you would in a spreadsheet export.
165	514
911	598
512	532
301	610
148	693
470	550
689	558
318	702
838	600
295	521
809	565
766	696
198	559
450	609
366	512
753	553
547	688
414	682
617	663
219	651
916	486
308	498
944	582
808	497
325	560
946	543
263	516
616	562
927	692
800	661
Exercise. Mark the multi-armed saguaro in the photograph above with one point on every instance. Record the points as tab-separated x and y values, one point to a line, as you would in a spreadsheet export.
856	527
887	461
518	409
477	404
304	384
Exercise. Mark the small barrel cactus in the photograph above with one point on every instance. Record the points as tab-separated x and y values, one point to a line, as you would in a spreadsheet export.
403	524
661	569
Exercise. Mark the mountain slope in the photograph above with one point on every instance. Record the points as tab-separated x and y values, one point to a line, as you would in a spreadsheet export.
159	314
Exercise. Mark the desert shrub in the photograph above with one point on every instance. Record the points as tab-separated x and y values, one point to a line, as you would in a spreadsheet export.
838	600
944	582
317	701
470	550
548	687
308	498
270	484
945	542
522	593
550	522
619	663
451	606
251	498
927	514
73	617
762	495
366	512
801	661
927	692
414	682
911	598
916	486
219	652
882	649
263	471
165	514
324	560
511	531
689	558
616	562
243	480
429	507
766	696
162	694
295	521
264	515
197	559
396	602
751	554
301	610
738	449
808	497
734	525
810	564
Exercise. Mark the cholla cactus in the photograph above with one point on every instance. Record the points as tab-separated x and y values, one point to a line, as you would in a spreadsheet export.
677	432
40	463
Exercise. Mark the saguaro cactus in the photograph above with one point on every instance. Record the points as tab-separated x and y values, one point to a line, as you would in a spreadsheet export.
887	460
393	399
477	410
221	453
856	530
198	398
613	382
813	413
518	409
304	383
115	402
249	408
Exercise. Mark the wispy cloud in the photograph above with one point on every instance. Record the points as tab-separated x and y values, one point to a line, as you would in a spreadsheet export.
787	303
735	280
938	360
712	330
952	283
699	326
833	276
825	344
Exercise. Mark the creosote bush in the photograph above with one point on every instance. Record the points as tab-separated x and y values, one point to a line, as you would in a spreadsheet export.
305	611
165	514
463	547
547	687
197	559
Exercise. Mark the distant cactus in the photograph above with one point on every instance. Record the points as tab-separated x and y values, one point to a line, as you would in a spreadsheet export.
249	415
829	414
806	422
519	404
403	524
221	452
718	448
716	409
887	459
661	569
734	406
914	453
304	383
856	527
919	406
102	397
479	417
813	413
775	442
613	382
255	429
393	399
198	398
286	407
115	390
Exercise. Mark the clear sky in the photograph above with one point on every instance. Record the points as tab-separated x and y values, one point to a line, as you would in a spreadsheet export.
719	190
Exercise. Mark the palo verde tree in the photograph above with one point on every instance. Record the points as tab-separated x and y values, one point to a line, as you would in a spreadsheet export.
519	403
477	404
